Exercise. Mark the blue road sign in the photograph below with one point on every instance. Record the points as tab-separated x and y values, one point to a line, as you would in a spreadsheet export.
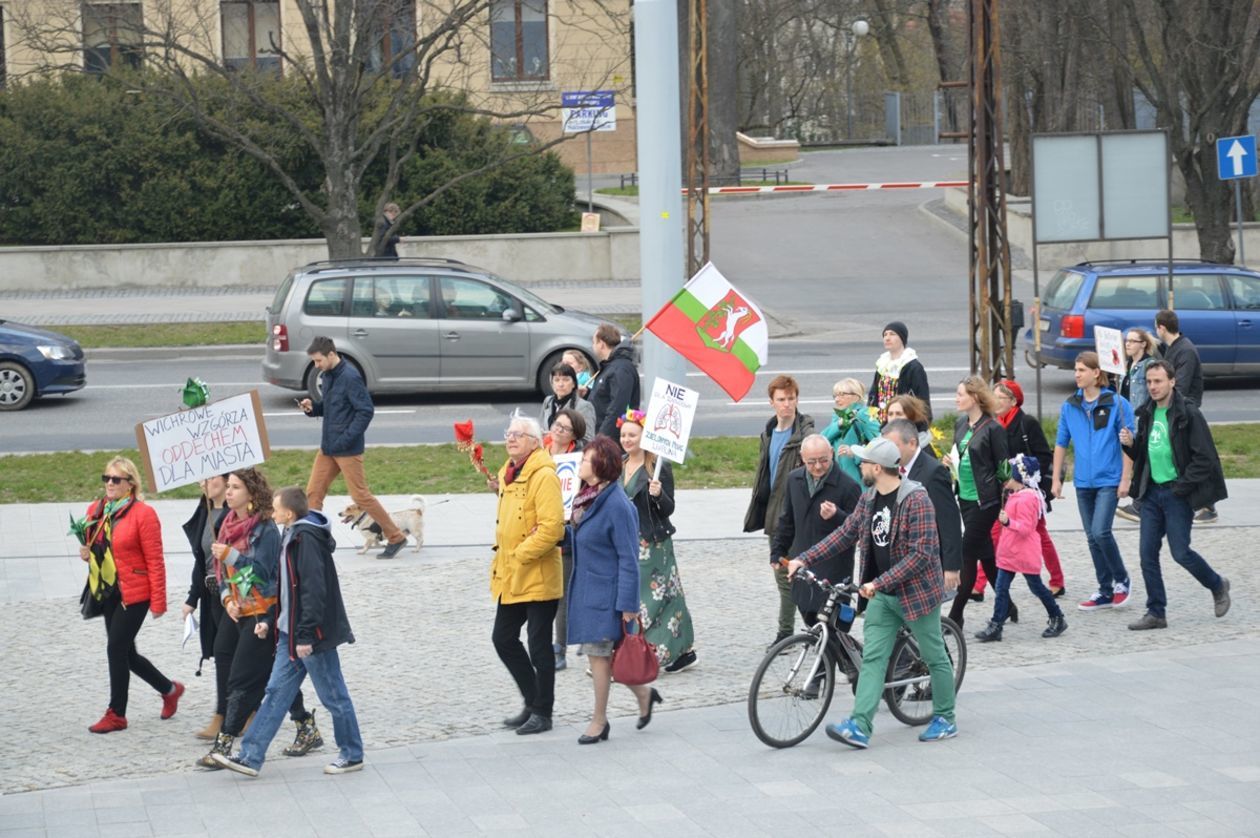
1236	157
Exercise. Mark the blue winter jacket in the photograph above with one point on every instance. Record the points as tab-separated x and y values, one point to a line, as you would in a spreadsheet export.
347	411
1094	433
605	578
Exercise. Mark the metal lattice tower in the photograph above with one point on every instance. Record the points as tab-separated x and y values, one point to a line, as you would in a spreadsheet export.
697	160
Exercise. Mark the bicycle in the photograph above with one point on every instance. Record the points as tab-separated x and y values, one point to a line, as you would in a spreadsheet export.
786	704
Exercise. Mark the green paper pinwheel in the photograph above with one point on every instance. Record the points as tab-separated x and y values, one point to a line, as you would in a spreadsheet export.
245	579
196	393
78	528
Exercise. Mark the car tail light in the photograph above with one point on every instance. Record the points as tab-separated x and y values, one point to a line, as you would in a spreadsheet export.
280	338
1072	326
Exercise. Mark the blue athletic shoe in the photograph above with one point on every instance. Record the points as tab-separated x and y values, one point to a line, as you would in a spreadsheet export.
849	733
940	728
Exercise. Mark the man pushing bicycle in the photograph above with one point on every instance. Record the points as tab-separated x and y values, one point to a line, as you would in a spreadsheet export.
895	528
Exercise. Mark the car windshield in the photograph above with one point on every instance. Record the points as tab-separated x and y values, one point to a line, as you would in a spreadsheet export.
527	297
1062	290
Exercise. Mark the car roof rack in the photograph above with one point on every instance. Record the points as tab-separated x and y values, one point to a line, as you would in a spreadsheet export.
1088	263
386	261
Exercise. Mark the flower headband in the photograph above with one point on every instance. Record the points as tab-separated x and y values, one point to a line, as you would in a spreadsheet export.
638	417
1027	470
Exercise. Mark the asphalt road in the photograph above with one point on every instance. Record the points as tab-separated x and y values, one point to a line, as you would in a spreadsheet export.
831	268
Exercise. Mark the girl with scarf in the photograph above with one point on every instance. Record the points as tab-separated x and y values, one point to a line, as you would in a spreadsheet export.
1019	550
666	620
246	560
565	437
851	425
898	371
126	579
564	387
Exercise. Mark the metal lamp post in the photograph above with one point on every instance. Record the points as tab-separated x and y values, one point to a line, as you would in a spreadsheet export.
858	29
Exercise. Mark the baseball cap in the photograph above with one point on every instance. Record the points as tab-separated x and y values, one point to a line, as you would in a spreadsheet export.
881	452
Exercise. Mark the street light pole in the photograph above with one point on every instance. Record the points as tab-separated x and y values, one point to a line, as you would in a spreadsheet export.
858	29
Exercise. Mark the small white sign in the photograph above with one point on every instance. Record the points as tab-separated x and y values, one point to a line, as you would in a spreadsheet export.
667	426
567	471
1110	346
588	110
191	445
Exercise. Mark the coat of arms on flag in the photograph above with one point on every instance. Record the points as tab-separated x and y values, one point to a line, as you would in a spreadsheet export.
710	323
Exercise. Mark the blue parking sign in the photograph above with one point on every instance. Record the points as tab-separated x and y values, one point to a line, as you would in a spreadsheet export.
1236	157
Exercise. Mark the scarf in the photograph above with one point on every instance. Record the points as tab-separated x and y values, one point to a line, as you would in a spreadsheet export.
557	405
513	470
102	571
234	532
585	497
886	367
812	484
1008	417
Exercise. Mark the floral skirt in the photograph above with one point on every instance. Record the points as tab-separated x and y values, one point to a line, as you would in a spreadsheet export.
663	607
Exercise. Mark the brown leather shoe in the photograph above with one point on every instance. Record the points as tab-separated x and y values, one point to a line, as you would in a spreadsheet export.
211	730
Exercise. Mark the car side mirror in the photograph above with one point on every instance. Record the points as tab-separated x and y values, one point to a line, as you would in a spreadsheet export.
511	315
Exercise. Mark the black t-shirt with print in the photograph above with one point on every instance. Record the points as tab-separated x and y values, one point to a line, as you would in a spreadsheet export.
881	529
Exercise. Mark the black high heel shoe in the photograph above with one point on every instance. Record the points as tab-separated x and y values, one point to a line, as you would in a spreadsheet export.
654	698
600	737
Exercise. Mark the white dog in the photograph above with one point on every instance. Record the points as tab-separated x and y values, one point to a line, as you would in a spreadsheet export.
410	521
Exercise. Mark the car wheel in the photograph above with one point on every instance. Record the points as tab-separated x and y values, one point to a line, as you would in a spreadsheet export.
17	386
1032	362
313	390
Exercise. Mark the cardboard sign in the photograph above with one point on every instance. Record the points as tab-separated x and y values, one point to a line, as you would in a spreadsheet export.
1110	346
590	222
669	416
567	471
191	445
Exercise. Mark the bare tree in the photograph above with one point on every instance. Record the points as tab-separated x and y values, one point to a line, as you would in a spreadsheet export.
373	72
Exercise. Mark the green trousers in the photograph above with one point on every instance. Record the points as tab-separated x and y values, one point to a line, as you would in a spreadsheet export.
883	619
787	608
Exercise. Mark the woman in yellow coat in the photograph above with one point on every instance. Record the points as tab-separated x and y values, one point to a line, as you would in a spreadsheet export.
526	576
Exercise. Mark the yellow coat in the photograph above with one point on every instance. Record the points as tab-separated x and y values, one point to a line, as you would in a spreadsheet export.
527	566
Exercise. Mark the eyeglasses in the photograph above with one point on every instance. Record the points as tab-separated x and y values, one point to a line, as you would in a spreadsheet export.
557	428
109	478
510	435
818	461
1134	340
846	393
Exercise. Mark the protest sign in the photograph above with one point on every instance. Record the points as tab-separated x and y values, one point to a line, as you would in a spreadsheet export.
191	445
1110	346
567	471
667	425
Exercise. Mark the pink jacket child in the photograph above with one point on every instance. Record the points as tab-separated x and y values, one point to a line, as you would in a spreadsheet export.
1019	550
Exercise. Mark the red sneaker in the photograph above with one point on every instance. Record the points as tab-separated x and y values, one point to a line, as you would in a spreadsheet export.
170	701
110	722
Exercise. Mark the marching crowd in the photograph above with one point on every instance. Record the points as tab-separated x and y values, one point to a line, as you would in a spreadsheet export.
930	521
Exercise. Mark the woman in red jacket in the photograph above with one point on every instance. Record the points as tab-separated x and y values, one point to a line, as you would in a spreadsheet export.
123	533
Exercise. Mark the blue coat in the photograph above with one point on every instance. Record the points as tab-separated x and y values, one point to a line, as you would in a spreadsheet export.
605	579
347	411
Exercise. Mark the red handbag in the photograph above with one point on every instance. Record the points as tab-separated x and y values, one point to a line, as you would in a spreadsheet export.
634	660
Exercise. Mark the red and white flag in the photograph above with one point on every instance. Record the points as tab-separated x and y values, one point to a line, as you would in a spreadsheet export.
716	327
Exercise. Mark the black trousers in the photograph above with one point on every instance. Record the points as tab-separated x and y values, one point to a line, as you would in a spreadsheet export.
121	627
977	546
242	665
534	673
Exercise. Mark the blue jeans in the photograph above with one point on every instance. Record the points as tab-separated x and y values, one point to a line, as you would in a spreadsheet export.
1002	603
1098	511
286	679
1165	514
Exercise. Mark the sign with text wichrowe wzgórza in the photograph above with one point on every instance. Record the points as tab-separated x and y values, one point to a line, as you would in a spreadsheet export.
186	447
667	425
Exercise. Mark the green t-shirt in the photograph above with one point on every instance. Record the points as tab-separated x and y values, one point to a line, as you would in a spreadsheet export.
966	477
1159	449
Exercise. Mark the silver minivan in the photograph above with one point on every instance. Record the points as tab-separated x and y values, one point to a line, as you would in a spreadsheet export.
416	325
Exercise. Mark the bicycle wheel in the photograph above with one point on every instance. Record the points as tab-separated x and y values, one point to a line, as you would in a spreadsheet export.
956	648
910	700
791	690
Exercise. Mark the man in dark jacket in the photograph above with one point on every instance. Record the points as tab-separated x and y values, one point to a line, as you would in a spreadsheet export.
1179	351
310	624
818	497
780	454
931	475
1175	471
387	245
347	410
616	385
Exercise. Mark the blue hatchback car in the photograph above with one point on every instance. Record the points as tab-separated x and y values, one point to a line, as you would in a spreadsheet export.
1218	307
35	362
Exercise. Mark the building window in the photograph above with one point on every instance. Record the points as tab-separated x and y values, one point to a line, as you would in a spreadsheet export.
394	39
112	36
251	35
518	40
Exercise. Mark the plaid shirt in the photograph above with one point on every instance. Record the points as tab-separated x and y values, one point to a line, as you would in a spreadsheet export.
915	577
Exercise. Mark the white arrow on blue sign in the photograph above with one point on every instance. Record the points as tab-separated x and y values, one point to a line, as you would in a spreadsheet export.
1236	157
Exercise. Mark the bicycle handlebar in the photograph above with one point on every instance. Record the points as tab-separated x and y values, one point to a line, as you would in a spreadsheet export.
845	587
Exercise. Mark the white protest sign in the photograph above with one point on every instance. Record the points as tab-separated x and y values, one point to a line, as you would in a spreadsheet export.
667	425
191	445
567	471
1110	346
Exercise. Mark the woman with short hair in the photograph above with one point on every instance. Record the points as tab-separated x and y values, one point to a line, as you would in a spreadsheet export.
851	424
126	579
604	588
564	396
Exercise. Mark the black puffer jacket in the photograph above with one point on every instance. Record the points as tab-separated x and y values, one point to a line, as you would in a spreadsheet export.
654	512
317	613
616	388
988	452
199	596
